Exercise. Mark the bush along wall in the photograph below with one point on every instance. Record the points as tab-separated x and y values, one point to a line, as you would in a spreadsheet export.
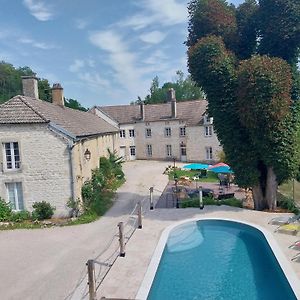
98	193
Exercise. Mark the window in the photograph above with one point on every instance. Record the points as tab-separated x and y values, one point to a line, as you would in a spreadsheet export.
122	133
12	155
132	150
208	130
131	133
15	195
209	154
182	131
169	150
168	131
148	132
149	150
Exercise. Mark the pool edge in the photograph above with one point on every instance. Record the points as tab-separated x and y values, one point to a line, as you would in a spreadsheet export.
285	265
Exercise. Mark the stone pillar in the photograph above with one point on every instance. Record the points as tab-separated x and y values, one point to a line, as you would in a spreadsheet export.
58	94
30	86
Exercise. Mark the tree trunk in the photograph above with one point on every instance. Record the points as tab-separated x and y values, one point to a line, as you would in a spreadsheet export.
258	198
271	189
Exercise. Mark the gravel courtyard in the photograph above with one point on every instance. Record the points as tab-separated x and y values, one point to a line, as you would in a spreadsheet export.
46	263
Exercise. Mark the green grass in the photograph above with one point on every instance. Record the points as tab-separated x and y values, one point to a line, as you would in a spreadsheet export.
211	176
194	202
286	189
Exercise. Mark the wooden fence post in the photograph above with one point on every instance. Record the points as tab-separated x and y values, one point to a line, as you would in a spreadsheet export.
91	279
151	198
201	204
140	226
121	239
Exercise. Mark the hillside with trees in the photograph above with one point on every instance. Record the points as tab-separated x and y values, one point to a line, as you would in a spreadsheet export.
245	59
185	88
11	85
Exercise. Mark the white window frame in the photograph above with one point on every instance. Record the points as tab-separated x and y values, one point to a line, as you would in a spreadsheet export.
208	130
15	205
149	150
168	132
15	164
148	130
122	134
132	149
131	133
169	150
209	153
182	131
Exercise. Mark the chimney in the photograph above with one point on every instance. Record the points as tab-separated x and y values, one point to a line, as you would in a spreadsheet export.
142	110
57	94
171	95
172	98
30	86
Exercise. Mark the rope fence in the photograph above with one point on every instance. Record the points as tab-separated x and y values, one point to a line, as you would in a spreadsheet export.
96	269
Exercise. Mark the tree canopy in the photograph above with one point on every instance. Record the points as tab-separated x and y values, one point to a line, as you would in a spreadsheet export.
185	88
11	85
249	74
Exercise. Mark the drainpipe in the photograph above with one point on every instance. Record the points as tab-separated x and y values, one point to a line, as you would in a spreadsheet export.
73	179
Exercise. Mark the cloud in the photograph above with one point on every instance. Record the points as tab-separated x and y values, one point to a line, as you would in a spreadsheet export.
153	37
81	23
94	80
77	65
39	9
121	59
167	13
39	45
157	57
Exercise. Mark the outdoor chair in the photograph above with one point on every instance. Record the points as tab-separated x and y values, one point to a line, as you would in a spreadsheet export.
295	245
284	220
292	228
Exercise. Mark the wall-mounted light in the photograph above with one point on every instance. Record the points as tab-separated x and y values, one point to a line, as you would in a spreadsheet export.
87	154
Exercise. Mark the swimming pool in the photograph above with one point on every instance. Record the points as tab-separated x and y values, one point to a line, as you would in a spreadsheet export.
216	259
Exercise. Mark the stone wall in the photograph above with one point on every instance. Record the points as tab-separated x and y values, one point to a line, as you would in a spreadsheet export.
98	147
45	165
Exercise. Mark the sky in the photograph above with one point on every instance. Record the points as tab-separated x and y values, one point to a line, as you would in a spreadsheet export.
103	52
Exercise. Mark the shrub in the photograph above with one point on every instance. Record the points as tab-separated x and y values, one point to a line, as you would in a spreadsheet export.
287	203
42	210
5	210
74	205
194	202
20	216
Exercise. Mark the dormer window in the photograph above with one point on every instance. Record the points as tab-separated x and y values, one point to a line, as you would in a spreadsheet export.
208	120
12	155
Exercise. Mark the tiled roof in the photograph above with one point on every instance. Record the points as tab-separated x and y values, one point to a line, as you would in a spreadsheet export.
190	111
22	110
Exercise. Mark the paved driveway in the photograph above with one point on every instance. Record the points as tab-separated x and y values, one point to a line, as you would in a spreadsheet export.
46	263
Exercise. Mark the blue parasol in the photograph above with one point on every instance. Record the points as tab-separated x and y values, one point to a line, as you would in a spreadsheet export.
196	166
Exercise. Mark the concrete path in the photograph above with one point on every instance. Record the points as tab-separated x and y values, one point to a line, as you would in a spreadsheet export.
127	274
47	263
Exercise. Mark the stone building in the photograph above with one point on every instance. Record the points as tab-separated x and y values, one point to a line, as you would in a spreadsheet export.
165	131
48	150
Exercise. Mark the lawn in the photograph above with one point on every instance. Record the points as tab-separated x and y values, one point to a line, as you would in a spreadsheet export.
211	176
287	190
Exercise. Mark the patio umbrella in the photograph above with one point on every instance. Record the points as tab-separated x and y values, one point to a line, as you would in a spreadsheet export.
221	169
196	166
219	165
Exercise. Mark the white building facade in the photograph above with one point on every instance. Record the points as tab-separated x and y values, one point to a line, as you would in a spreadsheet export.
165	131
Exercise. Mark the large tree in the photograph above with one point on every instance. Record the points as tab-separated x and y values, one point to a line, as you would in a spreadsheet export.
11	85
252	85
185	88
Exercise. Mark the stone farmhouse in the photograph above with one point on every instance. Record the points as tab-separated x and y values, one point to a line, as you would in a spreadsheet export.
47	150
165	131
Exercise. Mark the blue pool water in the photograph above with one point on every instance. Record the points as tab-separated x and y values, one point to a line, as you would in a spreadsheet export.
214	260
